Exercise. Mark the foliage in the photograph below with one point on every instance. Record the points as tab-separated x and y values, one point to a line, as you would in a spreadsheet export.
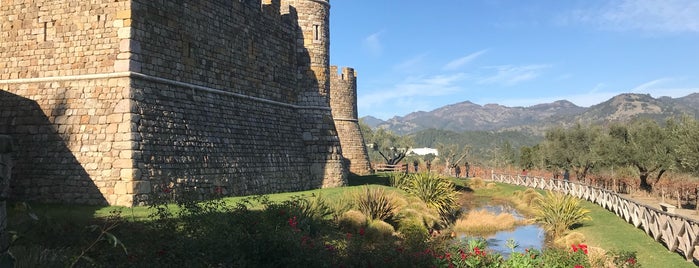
558	212
624	259
644	145
484	223
376	204
351	221
437	192
452	154
565	258
575	148
399	180
480	143
384	145
685	140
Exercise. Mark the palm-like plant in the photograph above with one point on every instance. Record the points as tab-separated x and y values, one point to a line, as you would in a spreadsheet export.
558	212
437	192
376	204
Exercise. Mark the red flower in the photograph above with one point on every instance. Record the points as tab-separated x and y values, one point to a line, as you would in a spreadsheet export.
293	222
361	231
583	247
579	266
631	261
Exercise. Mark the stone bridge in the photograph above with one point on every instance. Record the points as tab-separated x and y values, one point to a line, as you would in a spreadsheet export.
678	233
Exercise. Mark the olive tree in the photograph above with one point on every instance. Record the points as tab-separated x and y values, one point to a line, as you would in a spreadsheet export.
644	145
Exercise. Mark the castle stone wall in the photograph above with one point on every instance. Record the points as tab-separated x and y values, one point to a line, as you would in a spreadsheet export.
232	46
109	101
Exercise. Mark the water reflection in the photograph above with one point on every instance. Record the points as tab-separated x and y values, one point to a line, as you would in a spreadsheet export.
526	236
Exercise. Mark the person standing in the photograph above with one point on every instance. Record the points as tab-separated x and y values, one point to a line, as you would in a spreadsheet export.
457	170
467	169
415	164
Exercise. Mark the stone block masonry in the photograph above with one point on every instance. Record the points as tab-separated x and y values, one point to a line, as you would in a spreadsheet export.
108	101
343	100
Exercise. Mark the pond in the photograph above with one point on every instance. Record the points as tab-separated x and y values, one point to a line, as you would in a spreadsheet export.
526	236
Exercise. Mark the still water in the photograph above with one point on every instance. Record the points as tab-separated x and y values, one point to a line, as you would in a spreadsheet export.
526	236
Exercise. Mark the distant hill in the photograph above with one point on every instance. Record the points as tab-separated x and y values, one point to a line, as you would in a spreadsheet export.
468	116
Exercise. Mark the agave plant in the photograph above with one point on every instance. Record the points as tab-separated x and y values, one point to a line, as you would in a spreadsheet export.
558	212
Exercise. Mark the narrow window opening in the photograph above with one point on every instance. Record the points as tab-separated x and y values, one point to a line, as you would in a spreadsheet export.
316	32
98	17
45	30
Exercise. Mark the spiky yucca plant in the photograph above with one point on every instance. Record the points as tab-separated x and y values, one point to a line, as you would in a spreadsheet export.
437	192
558	212
376	204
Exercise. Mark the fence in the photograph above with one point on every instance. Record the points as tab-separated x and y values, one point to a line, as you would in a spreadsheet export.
391	168
678	233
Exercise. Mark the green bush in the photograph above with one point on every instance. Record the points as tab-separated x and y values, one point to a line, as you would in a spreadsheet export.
351	221
376	204
437	192
379	230
558	212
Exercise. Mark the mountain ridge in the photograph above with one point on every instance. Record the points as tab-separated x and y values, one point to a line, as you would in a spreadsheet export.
468	116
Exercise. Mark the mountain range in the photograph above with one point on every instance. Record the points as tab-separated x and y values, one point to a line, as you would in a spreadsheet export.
468	116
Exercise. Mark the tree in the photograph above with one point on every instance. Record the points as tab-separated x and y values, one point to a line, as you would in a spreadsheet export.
575	149
644	145
389	146
685	141
452	154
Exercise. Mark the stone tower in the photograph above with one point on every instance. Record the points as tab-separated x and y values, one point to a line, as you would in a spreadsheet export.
319	133
343	100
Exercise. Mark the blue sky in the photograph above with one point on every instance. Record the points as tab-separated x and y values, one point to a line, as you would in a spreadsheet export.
421	55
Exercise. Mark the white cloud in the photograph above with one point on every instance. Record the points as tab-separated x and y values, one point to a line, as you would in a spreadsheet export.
412	90
673	16
372	44
457	63
411	65
645	87
509	75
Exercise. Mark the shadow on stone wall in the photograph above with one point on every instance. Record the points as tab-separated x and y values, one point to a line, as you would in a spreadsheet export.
45	168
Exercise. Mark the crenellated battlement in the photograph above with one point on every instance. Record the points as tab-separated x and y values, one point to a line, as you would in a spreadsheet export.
346	73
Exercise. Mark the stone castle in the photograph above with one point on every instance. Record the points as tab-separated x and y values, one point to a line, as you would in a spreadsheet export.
109	101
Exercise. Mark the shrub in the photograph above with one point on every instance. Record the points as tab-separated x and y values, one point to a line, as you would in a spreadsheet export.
437	192
417	211
376	204
351	221
476	183
558	212
483	222
379	230
414	234
399	180
572	238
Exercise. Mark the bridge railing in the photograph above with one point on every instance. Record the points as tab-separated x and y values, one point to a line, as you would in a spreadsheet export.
676	232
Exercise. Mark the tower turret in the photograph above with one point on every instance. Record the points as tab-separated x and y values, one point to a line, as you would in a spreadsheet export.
343	100
319	133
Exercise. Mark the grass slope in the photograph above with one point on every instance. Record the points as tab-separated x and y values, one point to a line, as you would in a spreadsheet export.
609	232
